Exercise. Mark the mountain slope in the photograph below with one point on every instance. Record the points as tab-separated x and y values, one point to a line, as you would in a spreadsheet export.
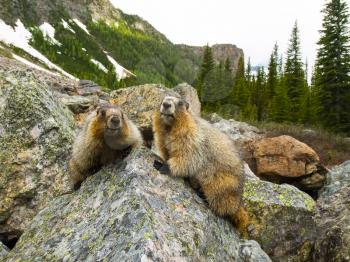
93	40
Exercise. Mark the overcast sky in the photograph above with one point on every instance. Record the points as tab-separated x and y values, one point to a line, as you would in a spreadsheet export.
253	25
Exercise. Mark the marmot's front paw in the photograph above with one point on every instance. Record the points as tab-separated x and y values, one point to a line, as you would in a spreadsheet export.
161	167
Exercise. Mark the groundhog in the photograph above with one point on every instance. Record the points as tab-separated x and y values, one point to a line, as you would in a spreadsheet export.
107	135
191	147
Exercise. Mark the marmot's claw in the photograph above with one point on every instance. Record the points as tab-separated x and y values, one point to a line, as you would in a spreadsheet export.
161	167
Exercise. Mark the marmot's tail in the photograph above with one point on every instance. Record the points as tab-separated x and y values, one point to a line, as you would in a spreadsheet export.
241	221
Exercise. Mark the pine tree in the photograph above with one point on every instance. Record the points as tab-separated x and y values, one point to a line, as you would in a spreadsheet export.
111	78
272	77
294	74
228	67
240	89
207	66
333	67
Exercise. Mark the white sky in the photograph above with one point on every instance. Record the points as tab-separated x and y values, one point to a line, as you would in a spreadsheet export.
253	25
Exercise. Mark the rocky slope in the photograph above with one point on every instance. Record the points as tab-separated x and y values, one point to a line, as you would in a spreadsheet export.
128	211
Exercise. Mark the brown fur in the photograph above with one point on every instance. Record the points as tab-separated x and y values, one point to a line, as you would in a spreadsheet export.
193	148
95	147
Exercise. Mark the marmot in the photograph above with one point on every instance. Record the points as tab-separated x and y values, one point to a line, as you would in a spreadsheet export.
106	136
191	147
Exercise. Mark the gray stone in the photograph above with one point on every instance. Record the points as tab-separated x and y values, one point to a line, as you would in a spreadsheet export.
79	104
3	250
238	131
190	94
130	212
337	178
36	136
333	226
88	88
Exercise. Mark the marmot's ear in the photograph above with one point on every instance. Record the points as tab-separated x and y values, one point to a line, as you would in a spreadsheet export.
100	111
187	104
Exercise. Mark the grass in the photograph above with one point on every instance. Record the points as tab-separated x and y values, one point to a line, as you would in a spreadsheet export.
333	149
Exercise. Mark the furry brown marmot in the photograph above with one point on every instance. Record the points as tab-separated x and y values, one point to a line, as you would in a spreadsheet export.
106	136
191	147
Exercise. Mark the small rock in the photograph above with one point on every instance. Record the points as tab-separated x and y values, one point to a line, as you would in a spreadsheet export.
337	178
88	88
79	104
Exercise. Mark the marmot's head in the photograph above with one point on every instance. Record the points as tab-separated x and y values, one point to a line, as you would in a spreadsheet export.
170	107
112	116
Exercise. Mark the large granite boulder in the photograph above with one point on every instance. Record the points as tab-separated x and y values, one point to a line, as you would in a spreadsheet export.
129	212
36	133
285	159
333	217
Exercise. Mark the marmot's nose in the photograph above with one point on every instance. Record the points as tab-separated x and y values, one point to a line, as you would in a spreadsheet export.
115	120
166	105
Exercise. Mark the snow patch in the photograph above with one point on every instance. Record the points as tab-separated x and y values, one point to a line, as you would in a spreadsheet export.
66	26
19	37
120	71
99	65
81	25
28	63
49	32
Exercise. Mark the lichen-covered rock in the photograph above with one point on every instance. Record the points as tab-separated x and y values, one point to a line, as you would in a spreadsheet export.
333	223
129	212
36	133
336	179
190	94
333	217
281	219
3	250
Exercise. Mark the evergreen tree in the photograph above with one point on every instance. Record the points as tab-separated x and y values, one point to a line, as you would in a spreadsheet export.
207	66
294	74
111	78
333	67
272	78
240	90
228	67
259	94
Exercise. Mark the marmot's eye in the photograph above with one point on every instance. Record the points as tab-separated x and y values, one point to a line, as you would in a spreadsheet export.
103	113
181	103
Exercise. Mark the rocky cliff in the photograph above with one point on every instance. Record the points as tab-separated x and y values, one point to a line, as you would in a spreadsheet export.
220	53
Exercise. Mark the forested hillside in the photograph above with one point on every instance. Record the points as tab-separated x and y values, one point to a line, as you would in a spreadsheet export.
283	92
